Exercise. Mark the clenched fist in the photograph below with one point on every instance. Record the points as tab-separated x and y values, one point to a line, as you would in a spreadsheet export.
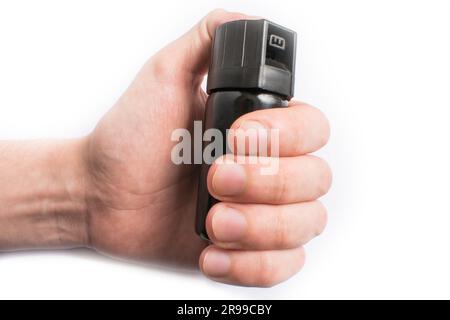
118	192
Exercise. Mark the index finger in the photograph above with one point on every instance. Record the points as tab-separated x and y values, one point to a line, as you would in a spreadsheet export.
301	128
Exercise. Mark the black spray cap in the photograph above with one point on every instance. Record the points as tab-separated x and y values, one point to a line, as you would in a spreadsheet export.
253	54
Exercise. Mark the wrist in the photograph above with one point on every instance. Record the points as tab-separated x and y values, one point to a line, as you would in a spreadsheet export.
42	195
66	202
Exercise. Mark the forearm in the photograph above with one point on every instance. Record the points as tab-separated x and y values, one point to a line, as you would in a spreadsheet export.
42	195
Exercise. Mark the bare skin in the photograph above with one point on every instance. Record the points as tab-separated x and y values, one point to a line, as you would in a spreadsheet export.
117	191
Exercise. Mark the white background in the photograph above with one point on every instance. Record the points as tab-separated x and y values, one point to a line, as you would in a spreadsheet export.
379	69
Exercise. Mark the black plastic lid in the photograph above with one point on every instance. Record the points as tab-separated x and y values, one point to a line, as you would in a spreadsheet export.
253	54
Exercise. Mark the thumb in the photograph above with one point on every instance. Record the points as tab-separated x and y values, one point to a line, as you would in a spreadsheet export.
188	57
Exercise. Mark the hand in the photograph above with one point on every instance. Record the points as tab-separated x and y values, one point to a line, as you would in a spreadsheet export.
142	206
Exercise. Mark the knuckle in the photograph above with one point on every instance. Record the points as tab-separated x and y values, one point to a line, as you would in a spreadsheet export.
216	13
155	65
266	271
303	126
308	137
285	237
299	136
281	187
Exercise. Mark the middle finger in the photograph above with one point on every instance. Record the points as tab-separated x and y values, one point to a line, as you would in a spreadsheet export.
281	181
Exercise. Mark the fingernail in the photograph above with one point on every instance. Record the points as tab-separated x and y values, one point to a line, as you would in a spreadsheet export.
255	136
216	263
229	179
229	225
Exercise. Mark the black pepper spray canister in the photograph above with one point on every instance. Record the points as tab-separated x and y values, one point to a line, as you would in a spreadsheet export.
252	68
